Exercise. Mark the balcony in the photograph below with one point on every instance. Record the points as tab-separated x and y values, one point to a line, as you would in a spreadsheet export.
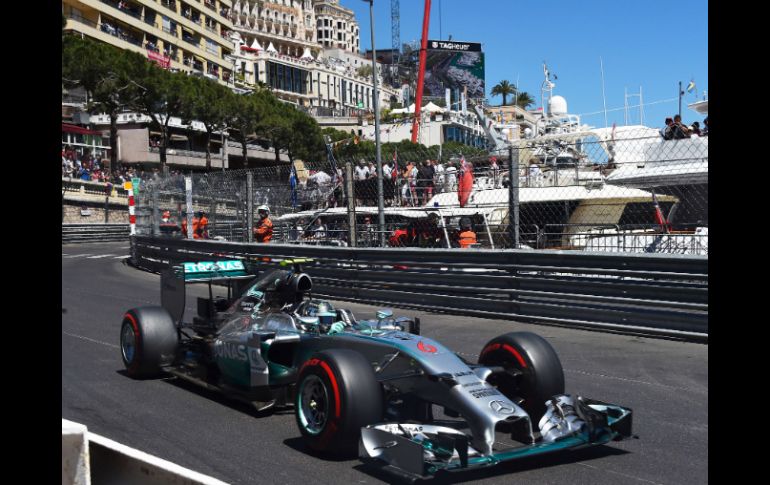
169	4
210	5
122	33
127	8
191	40
171	29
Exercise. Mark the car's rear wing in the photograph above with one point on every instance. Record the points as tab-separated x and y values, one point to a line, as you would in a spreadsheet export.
232	272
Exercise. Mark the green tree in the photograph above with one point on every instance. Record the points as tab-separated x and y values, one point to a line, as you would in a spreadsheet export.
524	100
102	70
160	95
244	113
364	71
208	102
503	88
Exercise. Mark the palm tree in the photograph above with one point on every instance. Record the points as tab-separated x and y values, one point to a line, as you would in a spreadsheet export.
524	99
504	88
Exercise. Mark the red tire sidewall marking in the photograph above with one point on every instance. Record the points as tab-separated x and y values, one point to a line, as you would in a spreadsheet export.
331	426
507	348
137	339
516	354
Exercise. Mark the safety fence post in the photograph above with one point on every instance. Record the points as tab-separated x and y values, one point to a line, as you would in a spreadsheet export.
351	204
249	205
188	198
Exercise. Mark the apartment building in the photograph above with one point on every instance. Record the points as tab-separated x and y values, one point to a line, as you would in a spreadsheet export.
276	43
336	26
183	35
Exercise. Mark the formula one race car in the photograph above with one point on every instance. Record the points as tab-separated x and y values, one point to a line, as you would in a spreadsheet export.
365	385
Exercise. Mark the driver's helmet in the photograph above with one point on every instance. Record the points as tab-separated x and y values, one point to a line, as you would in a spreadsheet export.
314	308
322	310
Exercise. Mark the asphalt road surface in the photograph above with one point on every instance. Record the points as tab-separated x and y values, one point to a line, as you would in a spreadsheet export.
664	382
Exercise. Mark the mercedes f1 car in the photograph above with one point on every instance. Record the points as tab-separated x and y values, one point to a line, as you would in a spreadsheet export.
369	386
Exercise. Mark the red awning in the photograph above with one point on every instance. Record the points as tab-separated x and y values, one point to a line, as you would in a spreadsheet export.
79	130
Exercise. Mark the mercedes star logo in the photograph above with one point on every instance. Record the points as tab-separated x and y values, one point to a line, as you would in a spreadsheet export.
501	407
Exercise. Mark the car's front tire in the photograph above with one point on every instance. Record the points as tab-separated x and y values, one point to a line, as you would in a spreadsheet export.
148	341
337	394
540	374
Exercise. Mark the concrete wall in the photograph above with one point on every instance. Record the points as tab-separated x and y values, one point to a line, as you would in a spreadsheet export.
72	214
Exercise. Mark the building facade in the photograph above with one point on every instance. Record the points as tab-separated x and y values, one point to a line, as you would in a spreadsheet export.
276	43
183	35
336	26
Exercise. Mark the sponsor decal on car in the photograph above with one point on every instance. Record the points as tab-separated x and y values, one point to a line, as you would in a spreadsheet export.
230	351
427	348
209	266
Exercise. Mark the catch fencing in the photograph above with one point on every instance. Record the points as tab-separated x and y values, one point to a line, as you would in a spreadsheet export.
623	189
638	294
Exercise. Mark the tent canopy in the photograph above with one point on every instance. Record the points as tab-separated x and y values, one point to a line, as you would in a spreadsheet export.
430	108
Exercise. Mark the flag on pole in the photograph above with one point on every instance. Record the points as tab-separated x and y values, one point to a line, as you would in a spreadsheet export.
691	86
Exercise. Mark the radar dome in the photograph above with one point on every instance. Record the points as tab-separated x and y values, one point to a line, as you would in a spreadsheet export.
557	105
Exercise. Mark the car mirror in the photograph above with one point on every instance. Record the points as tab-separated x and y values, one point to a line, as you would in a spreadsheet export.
384	313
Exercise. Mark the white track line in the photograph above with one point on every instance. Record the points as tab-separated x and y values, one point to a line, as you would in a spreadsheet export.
100	256
90	340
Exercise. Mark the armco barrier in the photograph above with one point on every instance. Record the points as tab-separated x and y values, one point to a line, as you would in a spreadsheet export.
75	233
90	458
646	294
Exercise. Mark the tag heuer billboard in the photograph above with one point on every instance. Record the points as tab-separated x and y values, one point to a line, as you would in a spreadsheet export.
450	45
455	66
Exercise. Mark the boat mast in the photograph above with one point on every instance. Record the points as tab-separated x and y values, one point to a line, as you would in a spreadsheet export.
604	98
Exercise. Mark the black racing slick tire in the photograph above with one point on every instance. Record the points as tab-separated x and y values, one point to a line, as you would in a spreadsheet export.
337	394
148	341
539	372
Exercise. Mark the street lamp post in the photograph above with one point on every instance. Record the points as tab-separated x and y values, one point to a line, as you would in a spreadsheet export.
380	201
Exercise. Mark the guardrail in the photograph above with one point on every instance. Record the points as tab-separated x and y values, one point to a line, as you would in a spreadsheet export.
77	233
91	458
638	294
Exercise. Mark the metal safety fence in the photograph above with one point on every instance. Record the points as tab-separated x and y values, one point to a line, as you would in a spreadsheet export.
641	294
623	189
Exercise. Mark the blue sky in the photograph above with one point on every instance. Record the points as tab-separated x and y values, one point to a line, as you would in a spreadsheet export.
653	44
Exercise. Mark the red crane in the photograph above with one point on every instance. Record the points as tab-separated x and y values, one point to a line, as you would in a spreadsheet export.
421	76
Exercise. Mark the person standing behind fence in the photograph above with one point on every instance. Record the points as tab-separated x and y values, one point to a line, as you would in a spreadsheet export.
451	177
426	181
438	177
681	130
495	170
263	230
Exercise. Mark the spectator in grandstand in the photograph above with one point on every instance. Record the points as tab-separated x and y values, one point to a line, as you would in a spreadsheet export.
372	170
706	126
695	129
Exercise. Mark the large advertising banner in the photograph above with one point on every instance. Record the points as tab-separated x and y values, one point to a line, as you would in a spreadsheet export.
454	65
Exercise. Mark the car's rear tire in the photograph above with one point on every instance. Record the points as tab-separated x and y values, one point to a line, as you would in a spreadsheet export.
541	375
337	394
148	341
